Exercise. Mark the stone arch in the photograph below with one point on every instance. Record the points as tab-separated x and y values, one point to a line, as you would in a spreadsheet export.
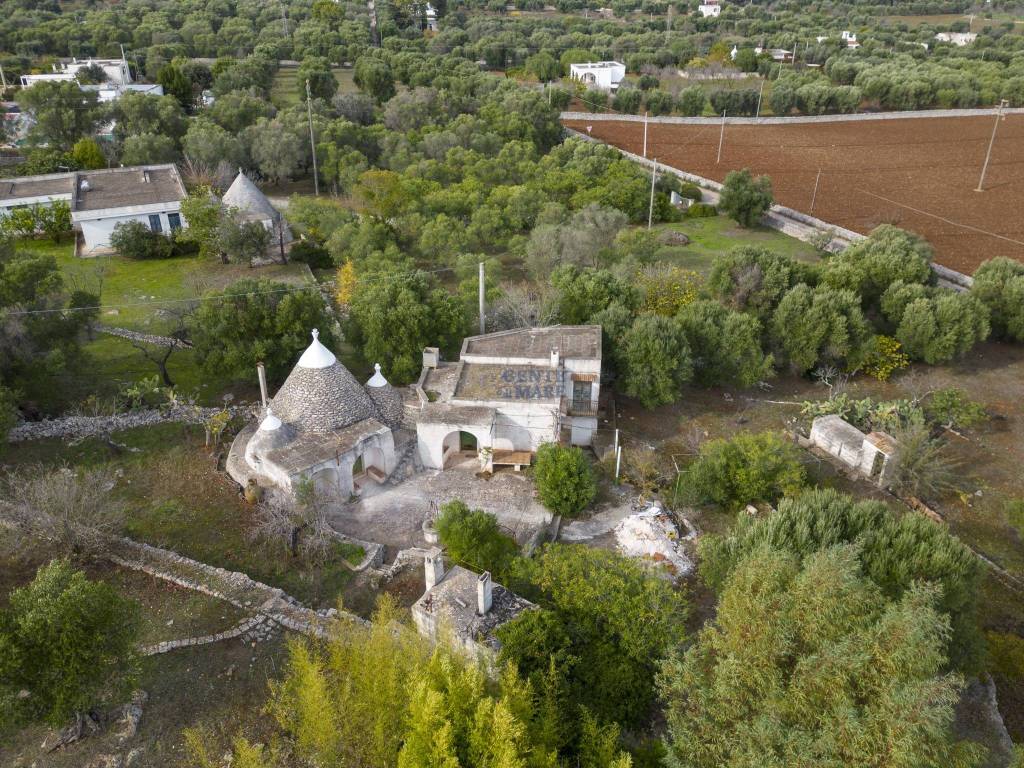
327	483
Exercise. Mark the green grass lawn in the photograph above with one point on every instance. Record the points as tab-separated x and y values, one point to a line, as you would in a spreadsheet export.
141	295
720	234
284	91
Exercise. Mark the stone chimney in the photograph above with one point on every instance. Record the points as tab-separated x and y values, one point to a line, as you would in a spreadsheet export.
431	357
554	357
483	593
261	374
433	564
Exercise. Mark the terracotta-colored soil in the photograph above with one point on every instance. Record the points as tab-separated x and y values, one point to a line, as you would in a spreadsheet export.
919	173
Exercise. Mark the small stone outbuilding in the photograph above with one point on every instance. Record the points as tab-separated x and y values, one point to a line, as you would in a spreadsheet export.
469	606
248	204
871	455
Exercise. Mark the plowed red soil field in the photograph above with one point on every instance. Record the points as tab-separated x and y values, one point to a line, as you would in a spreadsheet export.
918	173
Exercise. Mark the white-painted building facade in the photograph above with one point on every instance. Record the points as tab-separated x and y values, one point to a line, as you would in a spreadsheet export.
710	9
102	199
599	75
509	392
115	70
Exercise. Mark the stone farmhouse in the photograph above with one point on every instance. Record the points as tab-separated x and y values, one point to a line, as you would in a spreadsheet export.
509	392
100	200
321	425
468	606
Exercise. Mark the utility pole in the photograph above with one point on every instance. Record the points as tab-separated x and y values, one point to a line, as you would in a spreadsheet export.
721	138
482	328
814	195
650	208
284	20
312	141
760	92
988	155
645	135
4	81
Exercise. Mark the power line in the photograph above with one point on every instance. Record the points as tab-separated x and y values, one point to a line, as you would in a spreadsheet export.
227	296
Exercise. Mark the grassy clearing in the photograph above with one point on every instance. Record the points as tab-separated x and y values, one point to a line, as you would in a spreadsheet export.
141	295
284	91
720	234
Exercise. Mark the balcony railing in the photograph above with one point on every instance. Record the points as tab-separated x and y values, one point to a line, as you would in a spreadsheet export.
582	408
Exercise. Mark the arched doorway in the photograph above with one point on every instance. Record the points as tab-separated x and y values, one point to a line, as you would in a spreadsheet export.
459	447
326	483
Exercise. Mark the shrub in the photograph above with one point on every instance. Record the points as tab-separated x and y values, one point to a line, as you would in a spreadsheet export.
311	253
134	240
64	639
745	198
565	479
745	469
999	285
895	550
883	358
701	211
691	192
472	539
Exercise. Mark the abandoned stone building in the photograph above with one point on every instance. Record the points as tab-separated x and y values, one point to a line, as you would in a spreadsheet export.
248	204
868	454
323	425
509	392
469	606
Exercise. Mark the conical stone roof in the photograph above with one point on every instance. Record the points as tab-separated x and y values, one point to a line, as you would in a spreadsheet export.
244	195
386	398
321	395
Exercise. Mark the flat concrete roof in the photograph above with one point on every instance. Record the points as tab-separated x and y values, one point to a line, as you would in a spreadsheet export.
120	187
528	383
311	448
48	185
577	341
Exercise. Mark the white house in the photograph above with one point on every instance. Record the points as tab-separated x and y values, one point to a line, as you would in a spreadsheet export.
116	71
430	18
509	392
710	9
850	38
600	75
100	200
959	39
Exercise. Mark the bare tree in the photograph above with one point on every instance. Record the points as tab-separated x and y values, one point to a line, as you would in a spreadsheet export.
299	522
522	305
73	509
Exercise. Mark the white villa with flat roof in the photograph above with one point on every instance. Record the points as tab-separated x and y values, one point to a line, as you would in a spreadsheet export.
508	393
600	75
100	200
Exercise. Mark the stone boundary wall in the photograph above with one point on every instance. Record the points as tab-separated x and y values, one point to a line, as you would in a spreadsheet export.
77	427
786	220
856	117
189	642
145	338
231	586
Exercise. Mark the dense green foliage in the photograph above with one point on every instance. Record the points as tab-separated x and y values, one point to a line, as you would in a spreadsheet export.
807	662
67	641
893	551
745	198
472	538
257	320
999	285
746	469
394	316
135	240
565	480
605	620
